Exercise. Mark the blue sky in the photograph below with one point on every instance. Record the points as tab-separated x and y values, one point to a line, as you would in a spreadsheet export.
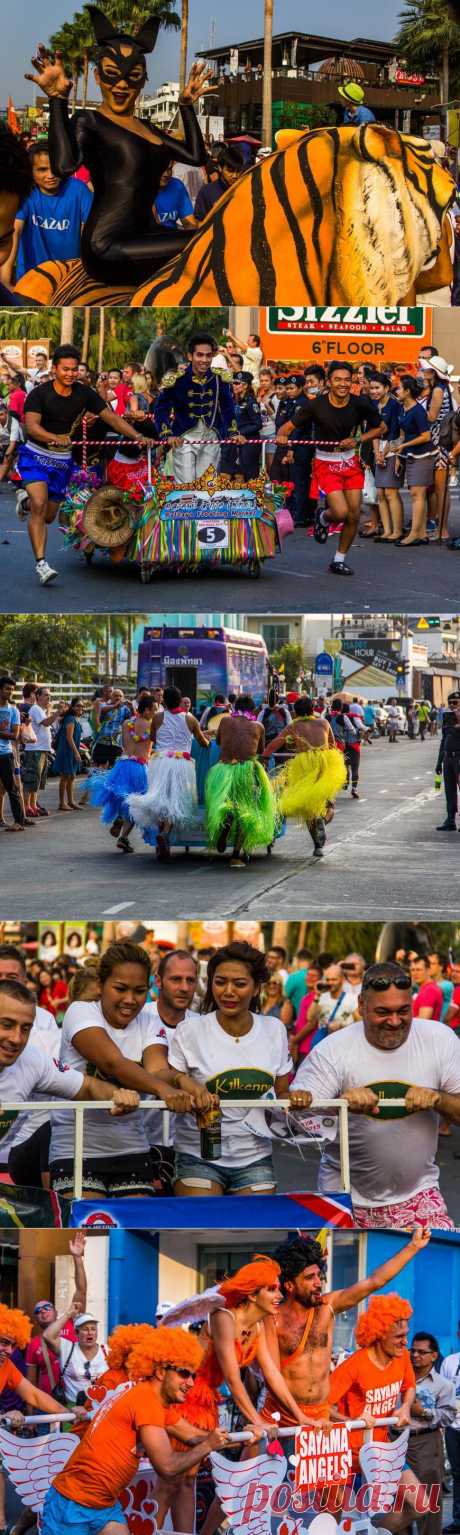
21	30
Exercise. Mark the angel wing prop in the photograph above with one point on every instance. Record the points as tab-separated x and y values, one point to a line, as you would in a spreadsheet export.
382	1464
298	1126
196	1309
32	1464
245	1489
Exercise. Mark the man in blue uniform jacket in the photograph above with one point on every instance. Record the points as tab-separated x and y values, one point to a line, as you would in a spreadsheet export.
199	406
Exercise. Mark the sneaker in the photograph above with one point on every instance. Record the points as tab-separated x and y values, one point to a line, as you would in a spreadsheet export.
45	572
338	568
22	504
354	794
41	810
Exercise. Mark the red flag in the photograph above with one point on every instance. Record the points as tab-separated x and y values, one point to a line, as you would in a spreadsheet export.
12	118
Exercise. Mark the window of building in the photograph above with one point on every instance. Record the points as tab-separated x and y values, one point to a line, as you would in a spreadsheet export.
214	1263
345	1272
276	635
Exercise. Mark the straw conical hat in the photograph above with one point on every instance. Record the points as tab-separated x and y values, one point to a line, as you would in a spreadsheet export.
107	520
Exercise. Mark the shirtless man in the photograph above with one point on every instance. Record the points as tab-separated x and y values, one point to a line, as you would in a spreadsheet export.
301	1335
314	773
239	798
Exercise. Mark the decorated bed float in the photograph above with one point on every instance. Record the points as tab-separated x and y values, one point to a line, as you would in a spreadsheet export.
194	838
215	521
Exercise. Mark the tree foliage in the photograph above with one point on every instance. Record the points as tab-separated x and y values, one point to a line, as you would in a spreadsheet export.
75	39
427	35
293	660
32	648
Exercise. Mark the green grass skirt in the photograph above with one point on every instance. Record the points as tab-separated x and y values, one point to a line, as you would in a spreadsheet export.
242	791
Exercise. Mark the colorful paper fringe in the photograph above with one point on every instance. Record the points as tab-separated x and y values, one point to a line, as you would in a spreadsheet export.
162	540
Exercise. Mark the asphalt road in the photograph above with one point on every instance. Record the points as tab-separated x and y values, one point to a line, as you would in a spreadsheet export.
383	854
298	580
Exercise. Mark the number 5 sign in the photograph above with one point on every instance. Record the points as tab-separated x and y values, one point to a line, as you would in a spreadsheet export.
212	535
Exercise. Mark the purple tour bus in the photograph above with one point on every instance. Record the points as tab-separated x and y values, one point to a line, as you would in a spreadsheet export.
202	662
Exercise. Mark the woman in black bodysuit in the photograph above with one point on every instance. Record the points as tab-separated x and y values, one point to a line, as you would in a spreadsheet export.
121	241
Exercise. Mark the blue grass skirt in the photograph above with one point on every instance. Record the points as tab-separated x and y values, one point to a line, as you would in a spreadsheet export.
109	791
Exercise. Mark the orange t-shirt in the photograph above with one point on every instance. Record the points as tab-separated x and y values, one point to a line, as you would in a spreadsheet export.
10	1377
105	1462
359	1383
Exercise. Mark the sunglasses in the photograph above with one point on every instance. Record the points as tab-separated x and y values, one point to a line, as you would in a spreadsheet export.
184	1374
384	982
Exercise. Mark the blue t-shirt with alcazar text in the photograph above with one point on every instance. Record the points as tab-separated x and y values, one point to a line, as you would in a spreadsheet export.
52	224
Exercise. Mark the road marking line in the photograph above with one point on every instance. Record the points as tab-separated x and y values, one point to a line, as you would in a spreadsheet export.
111	911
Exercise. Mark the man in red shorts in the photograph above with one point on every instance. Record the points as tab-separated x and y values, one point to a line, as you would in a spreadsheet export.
337	471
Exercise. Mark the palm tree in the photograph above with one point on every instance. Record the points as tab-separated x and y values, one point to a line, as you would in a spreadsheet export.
67	42
101	342
183	45
133	16
428	37
267	128
86	333
67	321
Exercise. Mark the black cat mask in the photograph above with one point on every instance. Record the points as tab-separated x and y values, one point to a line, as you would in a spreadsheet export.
111	40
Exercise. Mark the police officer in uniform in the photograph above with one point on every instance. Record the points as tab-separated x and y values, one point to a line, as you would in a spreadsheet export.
244	460
448	762
280	471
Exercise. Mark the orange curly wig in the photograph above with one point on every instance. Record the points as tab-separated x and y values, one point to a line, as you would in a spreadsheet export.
381	1314
251	1277
15	1326
162	1345
120	1343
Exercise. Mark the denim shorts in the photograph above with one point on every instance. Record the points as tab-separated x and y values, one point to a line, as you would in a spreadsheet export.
260	1175
61	1516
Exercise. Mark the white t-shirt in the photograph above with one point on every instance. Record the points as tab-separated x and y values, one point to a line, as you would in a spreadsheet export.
232	1068
47	1037
153	1118
33	1076
252	361
105	1134
74	1367
335	1012
42	732
391	1158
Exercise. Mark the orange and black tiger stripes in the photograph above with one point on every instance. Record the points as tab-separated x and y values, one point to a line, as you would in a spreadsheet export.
339	216
342	215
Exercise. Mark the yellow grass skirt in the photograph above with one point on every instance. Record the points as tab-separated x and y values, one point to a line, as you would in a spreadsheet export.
309	782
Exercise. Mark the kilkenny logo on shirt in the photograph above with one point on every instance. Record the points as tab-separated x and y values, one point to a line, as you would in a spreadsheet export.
384	1090
7	1118
240	1082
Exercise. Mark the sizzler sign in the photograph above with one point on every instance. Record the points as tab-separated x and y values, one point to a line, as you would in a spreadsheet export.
354	334
399	322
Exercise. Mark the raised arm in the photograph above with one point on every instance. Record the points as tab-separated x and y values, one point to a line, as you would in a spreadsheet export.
343	1300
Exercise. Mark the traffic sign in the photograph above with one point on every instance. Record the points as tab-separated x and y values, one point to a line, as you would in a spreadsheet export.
324	664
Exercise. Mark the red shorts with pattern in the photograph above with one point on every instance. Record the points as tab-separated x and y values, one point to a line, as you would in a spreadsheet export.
336	474
424	1209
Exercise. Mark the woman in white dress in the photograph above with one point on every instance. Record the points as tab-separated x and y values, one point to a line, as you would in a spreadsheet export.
170	803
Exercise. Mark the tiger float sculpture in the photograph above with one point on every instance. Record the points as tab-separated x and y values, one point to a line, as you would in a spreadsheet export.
339	216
